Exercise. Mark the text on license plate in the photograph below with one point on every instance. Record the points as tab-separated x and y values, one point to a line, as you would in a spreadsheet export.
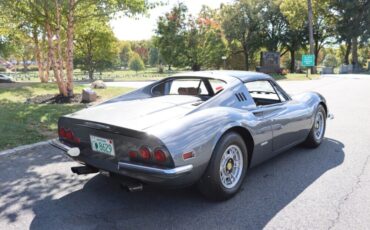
102	145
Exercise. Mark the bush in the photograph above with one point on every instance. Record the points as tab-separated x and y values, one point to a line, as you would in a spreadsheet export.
330	61
136	63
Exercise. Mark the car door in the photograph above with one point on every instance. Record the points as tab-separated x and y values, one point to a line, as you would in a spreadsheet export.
285	116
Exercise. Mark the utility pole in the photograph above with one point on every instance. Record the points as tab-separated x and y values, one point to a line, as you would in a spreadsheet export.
310	29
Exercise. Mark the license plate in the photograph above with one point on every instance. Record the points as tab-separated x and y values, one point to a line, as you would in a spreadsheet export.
102	145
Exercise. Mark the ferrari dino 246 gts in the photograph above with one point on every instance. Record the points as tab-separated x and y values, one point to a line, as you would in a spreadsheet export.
204	128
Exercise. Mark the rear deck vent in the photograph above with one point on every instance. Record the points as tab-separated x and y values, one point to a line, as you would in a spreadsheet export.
240	97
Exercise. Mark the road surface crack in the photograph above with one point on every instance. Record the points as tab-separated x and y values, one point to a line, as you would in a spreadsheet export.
347	196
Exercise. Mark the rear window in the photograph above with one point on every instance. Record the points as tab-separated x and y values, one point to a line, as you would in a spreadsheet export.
189	86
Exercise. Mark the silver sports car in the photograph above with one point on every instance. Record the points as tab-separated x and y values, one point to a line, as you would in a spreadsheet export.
205	128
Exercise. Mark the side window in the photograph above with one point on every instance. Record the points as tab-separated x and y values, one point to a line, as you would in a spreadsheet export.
262	92
217	85
282	96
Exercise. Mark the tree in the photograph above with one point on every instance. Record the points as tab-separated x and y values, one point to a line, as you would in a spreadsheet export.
274	25
310	28
95	46
136	63
330	61
185	40
57	19
153	56
124	53
242	24
170	32
352	25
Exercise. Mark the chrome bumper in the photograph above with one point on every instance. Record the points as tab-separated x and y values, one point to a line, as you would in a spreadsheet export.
71	151
152	170
74	152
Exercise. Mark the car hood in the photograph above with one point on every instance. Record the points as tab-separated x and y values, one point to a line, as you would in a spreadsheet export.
139	114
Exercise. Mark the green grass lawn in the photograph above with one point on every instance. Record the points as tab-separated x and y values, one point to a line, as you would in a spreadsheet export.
22	123
148	74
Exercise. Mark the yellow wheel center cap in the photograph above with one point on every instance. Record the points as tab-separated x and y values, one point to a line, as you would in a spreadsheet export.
229	166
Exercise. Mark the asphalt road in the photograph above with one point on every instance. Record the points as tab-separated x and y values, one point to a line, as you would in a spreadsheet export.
323	188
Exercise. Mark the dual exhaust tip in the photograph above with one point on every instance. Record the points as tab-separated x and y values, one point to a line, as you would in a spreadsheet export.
129	185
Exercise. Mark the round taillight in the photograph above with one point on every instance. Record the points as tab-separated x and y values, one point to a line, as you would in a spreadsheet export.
159	155
62	132
144	153
132	154
69	135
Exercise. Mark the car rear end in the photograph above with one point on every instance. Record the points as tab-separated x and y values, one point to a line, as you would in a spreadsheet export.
123	151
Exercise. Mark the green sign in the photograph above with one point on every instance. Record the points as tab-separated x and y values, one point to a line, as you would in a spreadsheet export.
308	60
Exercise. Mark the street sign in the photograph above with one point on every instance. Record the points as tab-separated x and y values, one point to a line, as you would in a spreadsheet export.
308	60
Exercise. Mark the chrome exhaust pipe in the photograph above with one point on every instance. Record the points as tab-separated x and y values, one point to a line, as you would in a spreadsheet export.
83	170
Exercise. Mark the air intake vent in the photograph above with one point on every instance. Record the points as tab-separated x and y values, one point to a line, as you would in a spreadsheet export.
240	97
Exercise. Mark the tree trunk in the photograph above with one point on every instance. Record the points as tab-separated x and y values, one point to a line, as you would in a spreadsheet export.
317	51
70	46
38	55
59	56
355	54
169	67
246	57
292	61
348	51
195	67
91	73
44	58
52	58
310	28
24	63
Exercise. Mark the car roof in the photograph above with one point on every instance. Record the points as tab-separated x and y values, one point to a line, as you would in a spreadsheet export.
244	76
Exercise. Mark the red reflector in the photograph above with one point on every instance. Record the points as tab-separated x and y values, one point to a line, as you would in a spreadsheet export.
144	153
159	155
187	155
69	135
132	154
62	132
77	140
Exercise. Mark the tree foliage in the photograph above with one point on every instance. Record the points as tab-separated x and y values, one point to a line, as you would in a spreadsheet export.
185	40
136	63
96	46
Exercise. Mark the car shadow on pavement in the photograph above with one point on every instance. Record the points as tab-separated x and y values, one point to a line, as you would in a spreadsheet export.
100	203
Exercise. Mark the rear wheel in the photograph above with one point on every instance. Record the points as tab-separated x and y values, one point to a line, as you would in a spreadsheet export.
317	132
227	168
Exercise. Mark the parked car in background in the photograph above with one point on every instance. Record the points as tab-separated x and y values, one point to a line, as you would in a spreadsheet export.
6	79
205	128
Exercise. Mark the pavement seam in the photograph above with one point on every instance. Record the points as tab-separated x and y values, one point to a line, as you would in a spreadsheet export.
346	197
23	147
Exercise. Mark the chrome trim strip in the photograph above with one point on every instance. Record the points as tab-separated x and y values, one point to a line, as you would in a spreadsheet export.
56	143
152	170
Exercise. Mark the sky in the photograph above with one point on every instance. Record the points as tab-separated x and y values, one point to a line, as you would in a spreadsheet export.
143	27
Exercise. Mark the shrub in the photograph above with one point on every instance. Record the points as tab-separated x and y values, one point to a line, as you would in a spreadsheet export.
330	61
136	63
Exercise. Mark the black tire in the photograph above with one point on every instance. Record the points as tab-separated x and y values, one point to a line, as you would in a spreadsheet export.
210	184
312	140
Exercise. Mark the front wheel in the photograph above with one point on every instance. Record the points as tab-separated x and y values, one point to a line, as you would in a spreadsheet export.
317	132
227	168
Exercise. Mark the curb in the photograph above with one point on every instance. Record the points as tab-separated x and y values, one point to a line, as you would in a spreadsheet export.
23	147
